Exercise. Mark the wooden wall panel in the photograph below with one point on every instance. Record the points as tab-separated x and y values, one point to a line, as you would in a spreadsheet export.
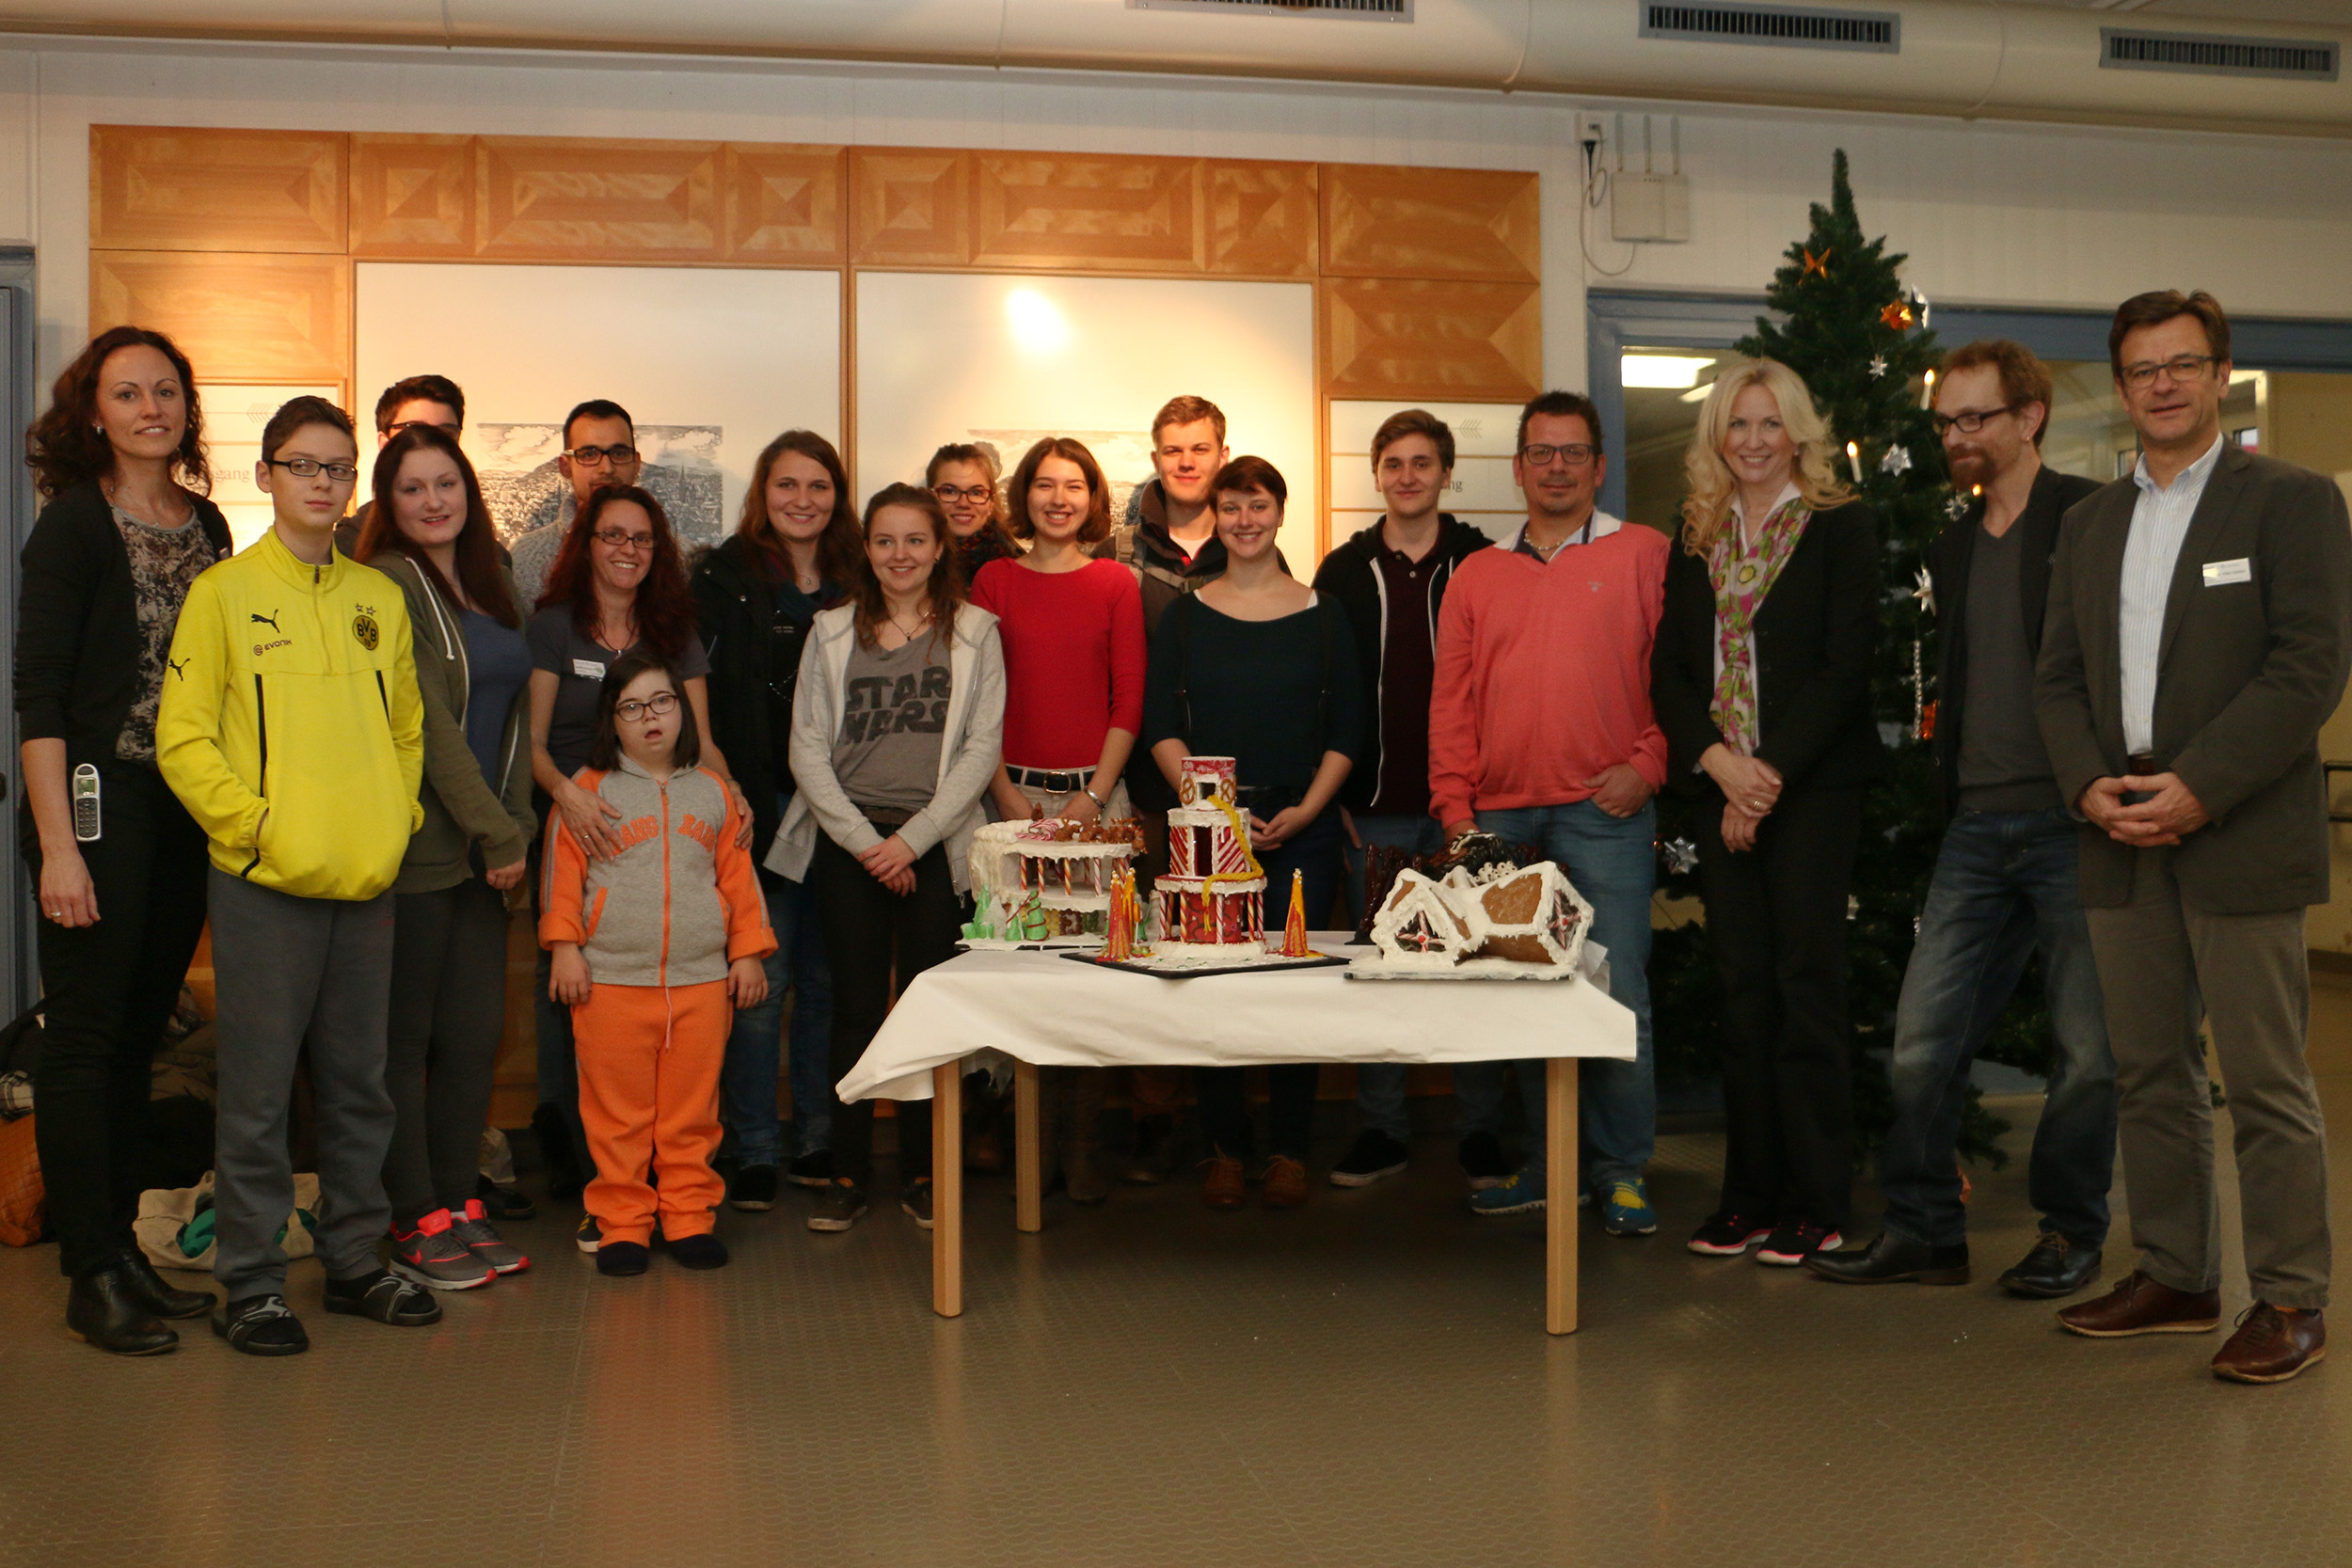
413	197
1386	337
577	198
1055	211
239	317
167	189
783	203
1470	224
912	208
1262	219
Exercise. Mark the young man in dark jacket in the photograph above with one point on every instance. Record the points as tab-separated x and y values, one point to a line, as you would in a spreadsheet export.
1390	578
2007	879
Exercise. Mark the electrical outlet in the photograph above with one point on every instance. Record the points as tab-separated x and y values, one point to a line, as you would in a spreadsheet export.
1590	131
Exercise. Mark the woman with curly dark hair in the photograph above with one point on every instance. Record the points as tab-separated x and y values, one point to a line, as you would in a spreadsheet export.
617	587
756	595
119	458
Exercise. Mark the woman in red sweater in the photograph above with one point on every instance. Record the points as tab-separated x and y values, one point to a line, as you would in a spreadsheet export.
1072	631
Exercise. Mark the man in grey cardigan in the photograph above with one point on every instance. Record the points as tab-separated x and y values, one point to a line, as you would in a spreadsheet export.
2199	623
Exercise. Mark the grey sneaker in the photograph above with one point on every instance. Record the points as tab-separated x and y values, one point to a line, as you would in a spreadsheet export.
482	1238
437	1258
838	1207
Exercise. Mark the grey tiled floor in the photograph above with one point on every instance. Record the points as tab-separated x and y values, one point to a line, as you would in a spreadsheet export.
1361	1384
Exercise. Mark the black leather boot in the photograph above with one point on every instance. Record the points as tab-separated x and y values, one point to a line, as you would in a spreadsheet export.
159	1297
1892	1260
104	1309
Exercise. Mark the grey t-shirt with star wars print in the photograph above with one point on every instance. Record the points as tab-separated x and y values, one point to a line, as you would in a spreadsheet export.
893	710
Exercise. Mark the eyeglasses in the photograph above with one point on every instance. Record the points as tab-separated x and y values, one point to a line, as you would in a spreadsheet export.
620	457
952	495
1971	421
657	704
1576	455
614	539
449	430
310	468
2181	367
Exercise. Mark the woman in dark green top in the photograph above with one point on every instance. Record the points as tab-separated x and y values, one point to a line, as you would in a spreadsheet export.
1258	667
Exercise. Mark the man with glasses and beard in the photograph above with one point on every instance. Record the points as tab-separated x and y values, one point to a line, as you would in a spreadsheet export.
599	448
2005	882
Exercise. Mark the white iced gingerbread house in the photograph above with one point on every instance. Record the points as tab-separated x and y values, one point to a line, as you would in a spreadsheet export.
1522	916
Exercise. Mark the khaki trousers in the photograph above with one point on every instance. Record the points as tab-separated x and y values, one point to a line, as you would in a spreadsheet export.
2165	965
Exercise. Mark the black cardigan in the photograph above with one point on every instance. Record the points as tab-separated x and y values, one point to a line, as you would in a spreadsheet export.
1814	636
1948	559
77	624
1351	574
755	648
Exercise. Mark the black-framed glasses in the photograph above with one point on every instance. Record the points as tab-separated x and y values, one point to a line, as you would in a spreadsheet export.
310	468
661	703
620	539
2181	367
954	494
1970	420
1576	454
620	455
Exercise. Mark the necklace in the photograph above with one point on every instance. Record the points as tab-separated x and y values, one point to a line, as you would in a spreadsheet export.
909	632
107	488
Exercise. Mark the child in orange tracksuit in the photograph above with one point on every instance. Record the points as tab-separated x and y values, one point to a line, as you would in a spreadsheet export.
653	950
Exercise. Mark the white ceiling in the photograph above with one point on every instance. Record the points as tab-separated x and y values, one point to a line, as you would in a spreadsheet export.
2327	13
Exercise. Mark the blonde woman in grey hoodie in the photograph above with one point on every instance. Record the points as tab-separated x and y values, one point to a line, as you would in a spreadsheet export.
898	727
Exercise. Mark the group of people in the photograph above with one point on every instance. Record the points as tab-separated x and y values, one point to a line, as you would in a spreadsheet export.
760	774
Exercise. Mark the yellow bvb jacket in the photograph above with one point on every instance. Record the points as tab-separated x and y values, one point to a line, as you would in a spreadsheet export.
290	727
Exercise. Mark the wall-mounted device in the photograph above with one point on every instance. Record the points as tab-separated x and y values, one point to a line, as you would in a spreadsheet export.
1649	205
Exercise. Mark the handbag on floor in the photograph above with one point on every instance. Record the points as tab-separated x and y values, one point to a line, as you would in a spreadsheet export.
24	1201
175	1225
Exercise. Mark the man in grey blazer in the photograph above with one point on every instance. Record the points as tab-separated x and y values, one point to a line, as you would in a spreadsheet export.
2199	631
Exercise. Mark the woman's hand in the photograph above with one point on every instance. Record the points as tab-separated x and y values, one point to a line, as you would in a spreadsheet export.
747	982
1275	830
589	816
567	976
67	894
1747	782
890	863
506	878
1739	828
1081	808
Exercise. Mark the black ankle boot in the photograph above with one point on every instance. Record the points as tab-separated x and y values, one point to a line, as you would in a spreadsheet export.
159	1297
104	1309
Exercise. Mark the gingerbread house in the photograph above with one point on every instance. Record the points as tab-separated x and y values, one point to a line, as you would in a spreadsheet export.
1211	903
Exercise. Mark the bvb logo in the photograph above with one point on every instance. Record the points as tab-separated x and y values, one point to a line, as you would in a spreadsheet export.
363	627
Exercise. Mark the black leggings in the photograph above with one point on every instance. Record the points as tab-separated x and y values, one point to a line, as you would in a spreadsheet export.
870	932
449	1013
108	989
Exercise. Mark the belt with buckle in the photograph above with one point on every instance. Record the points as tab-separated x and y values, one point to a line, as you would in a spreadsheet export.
1054	780
2143	764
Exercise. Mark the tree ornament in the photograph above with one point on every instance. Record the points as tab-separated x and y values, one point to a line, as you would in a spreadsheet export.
1897	461
1877	367
1897	316
1682	856
1814	265
1955	506
1918	690
1925	592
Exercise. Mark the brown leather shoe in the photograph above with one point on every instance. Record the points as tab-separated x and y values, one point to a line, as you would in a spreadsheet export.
1225	1188
2138	1305
1285	1184
2272	1344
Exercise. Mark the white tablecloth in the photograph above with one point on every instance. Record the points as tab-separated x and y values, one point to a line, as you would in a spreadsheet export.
1042	1008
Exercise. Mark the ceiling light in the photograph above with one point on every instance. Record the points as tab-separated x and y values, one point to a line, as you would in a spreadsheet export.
1666	372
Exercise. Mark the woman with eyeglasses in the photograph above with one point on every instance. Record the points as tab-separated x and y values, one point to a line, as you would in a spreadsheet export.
617	587
1761	680
964	476
757	594
1072	631
430	531
118	459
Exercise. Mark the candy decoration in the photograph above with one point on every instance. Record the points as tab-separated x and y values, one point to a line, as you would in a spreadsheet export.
1295	928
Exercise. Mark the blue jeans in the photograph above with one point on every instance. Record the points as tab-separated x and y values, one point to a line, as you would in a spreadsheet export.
1612	861
2004	884
1380	1086
747	1084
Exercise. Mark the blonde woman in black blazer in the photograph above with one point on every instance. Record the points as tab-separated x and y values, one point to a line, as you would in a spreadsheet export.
1761	678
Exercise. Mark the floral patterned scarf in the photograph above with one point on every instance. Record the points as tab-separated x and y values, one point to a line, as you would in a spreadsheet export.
1742	578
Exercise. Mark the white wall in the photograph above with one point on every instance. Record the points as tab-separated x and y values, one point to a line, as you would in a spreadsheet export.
1990	212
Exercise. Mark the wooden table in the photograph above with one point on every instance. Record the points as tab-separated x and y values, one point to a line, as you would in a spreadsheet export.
1039	1009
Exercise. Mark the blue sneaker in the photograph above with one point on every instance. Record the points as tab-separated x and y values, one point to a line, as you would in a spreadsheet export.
1523	1192
1626	1210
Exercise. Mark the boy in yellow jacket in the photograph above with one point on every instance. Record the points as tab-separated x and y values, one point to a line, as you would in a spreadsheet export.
292	730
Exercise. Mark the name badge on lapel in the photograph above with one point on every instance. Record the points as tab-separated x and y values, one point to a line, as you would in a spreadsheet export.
2220	574
595	671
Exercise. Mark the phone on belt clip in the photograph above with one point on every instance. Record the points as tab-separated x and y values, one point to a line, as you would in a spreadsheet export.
86	803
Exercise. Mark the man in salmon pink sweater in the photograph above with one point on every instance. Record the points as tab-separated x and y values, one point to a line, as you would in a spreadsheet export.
1540	732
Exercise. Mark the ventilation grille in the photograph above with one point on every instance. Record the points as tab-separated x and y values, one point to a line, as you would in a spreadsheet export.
1350	10
2218	55
1790	26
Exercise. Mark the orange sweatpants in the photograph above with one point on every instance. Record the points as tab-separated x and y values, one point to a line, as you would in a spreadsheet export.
649	1061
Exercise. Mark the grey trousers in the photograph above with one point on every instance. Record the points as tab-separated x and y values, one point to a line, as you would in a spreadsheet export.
448	1014
290	972
2165	965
